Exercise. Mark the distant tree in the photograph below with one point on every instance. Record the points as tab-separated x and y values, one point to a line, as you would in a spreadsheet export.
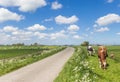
18	44
35	44
85	43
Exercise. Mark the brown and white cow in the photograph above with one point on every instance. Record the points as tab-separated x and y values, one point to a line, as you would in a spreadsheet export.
102	54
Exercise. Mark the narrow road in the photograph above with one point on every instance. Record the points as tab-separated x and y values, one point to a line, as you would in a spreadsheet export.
45	70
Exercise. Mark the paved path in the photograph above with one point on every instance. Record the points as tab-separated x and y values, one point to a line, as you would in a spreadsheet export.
45	70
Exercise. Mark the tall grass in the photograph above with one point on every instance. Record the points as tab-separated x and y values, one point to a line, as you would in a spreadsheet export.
77	69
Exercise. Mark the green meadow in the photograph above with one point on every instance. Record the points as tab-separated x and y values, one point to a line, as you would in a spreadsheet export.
84	68
15	51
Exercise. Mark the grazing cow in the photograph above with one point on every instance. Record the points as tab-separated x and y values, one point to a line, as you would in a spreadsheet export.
90	50
112	56
102	54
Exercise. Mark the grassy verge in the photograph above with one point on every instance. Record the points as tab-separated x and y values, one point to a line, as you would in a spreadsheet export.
77	69
15	63
83	68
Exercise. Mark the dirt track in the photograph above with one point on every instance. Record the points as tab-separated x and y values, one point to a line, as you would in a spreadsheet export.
45	70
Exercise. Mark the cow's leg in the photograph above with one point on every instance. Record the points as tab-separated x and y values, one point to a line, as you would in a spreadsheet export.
100	63
104	63
90	53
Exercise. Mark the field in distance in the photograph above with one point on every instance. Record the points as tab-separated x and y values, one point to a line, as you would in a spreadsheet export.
14	57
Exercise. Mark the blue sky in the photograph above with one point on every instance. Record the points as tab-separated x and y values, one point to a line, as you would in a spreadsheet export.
60	22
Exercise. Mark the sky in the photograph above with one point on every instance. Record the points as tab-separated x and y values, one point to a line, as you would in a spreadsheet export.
60	22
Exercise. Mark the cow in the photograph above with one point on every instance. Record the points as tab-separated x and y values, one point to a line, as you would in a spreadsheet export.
90	50
102	54
112	56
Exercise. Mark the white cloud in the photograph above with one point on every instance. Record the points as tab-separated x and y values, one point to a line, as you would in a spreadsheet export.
8	3
102	29
31	5
66	20
21	35
24	5
10	34
56	35
36	27
73	28
77	37
56	5
108	19
6	15
41	35
10	29
110	1
4	38
118	33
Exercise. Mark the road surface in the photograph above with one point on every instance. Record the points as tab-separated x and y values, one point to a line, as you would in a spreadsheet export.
45	70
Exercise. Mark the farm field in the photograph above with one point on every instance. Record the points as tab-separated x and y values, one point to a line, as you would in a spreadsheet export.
15	51
14	57
84	68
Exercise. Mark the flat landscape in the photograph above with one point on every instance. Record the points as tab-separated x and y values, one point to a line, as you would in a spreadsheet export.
86	33
80	67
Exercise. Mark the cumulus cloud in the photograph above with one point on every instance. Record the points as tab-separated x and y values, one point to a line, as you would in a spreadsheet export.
73	28
4	38
31	5
8	3
108	19
21	35
102	29
56	5
66	20
11	34
36	27
6	15
56	35
10	29
24	5
41	35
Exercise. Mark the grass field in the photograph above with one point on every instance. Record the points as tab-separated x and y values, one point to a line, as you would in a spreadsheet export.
15	51
84	68
12	57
